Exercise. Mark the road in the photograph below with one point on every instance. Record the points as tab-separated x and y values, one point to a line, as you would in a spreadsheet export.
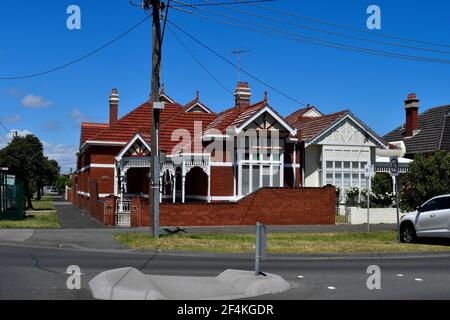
39	273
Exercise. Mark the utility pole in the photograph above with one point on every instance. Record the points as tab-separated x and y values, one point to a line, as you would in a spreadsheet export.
154	194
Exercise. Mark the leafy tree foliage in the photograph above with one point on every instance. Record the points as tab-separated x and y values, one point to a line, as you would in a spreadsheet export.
429	177
26	154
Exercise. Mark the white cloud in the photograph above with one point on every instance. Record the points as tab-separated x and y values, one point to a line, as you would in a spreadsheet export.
36	102
64	154
78	117
6	139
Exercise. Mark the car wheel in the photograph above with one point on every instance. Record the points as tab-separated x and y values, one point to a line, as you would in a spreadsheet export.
408	234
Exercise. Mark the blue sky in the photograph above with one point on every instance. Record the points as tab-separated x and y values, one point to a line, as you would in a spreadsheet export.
34	37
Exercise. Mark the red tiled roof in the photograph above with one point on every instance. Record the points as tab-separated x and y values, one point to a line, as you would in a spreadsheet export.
311	127
137	121
234	117
88	130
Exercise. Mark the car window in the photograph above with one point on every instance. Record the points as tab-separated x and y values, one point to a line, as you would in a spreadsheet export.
431	205
443	203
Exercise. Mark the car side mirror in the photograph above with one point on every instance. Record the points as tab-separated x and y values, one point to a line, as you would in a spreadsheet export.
419	209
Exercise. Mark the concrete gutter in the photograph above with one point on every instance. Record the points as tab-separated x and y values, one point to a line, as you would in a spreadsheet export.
131	284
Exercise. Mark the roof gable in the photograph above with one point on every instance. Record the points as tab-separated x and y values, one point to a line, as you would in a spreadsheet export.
137	147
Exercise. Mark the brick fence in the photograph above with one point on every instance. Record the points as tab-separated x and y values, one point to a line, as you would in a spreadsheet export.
272	206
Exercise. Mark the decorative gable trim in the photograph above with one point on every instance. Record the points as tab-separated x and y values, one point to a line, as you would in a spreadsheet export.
130	144
357	122
312	113
273	114
167	98
198	104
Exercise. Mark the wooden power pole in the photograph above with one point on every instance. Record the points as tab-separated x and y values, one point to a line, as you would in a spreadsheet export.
154	191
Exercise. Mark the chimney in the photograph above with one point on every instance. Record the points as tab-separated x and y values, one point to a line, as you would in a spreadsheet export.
412	114
113	107
243	95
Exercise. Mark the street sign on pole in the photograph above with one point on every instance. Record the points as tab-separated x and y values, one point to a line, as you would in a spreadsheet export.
394	170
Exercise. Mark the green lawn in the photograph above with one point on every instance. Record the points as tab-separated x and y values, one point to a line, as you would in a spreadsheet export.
43	217
278	243
44	220
45	203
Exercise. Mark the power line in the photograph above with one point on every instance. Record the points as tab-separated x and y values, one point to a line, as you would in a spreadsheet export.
199	62
312	40
336	25
234	65
4	127
331	32
81	58
184	4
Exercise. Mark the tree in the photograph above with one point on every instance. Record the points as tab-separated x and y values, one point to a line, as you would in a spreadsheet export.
49	175
429	177
62	182
382	183
25	154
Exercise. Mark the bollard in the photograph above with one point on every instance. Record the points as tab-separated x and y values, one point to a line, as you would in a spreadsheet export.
260	253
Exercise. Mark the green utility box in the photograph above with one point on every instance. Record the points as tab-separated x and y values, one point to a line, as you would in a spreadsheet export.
12	196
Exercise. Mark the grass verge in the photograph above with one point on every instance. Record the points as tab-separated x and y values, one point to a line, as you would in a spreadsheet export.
35	220
46	203
43	217
278	243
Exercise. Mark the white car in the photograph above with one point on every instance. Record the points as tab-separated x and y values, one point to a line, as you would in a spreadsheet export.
431	220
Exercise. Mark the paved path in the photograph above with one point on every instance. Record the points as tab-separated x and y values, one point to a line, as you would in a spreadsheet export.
71	217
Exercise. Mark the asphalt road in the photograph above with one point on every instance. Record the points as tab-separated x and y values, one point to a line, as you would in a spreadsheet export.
39	273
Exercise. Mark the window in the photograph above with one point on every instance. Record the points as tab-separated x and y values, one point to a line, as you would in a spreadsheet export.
329	178
266	176
431	205
245	179
256	179
276	176
442	203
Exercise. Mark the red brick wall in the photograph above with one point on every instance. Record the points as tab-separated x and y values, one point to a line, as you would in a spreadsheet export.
272	206
222	181
104	178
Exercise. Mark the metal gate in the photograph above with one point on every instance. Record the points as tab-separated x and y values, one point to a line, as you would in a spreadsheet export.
123	213
12	197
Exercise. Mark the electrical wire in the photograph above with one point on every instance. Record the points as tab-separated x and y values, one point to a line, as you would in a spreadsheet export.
81	58
312	40
341	26
199	62
184	4
234	65
338	34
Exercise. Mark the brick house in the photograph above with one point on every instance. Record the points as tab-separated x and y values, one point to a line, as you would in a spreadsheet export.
242	165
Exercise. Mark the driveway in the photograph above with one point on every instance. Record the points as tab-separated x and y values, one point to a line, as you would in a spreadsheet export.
71	217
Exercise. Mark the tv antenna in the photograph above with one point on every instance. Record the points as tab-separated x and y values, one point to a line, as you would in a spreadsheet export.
238	53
